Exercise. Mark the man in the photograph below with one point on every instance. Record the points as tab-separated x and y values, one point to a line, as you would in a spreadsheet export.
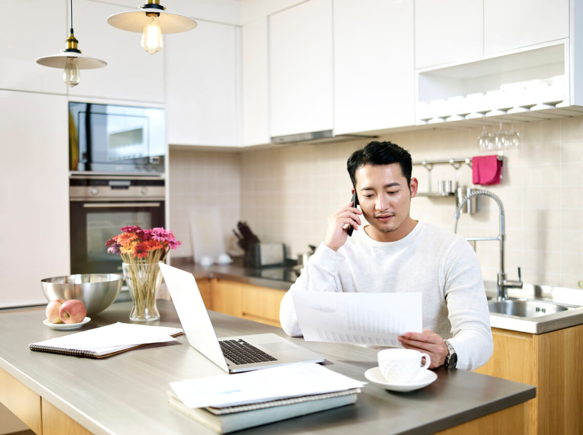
395	253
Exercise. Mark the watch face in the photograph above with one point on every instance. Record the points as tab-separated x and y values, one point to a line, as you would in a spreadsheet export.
452	361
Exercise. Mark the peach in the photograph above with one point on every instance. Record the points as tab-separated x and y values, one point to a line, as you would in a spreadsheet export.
72	311
52	310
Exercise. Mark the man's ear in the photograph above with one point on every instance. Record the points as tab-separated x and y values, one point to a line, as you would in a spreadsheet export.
413	187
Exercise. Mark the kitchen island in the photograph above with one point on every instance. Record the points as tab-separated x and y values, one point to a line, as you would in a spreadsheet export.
126	393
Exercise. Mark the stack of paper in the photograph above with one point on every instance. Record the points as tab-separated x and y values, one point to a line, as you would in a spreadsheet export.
107	340
233	402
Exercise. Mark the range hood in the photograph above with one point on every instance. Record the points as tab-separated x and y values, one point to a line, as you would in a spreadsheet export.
318	137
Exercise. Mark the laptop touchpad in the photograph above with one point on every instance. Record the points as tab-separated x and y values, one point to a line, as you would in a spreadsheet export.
278	346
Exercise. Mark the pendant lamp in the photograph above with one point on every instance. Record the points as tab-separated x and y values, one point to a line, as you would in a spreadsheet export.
71	59
152	21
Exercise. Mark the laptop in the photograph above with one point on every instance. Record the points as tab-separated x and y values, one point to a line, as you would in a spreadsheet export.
232	354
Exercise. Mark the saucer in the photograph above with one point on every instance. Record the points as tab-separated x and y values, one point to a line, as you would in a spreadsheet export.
66	326
424	379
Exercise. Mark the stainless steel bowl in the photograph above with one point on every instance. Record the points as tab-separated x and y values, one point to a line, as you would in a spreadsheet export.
96	291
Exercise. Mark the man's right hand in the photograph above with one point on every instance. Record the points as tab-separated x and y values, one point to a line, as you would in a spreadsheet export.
338	223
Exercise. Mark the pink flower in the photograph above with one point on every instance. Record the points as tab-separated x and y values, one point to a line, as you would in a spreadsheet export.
110	242
130	229
114	249
144	235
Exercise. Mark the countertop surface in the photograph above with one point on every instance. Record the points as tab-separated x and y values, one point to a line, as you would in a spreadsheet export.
276	277
126	393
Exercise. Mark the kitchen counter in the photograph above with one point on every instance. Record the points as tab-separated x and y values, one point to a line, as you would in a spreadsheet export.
277	277
126	393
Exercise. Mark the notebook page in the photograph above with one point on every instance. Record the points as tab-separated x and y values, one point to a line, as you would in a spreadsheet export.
113	336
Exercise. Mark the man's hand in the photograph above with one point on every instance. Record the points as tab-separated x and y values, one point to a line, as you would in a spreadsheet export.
427	342
336	233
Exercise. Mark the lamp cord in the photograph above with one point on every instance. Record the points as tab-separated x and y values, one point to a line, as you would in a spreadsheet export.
71	10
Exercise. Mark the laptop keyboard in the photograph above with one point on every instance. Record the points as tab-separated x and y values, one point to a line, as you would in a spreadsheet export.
240	352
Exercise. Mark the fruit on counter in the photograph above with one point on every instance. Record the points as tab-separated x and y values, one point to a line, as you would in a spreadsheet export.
72	311
52	310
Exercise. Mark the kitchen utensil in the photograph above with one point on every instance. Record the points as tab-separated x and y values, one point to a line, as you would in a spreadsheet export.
96	291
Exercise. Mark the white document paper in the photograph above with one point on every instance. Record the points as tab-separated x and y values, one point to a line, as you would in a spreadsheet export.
116	335
292	380
373	319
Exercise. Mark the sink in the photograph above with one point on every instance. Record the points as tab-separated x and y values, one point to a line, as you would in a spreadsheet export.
525	308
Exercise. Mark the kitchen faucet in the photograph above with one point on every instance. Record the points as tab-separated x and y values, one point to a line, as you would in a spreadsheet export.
502	283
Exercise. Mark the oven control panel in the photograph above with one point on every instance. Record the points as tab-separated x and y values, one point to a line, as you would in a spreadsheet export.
130	188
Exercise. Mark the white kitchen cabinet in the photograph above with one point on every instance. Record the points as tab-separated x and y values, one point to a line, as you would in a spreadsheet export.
509	25
374	80
34	197
131	74
203	91
300	69
448	31
32	29
255	83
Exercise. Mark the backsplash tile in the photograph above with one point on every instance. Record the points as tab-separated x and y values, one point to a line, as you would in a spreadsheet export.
287	193
541	189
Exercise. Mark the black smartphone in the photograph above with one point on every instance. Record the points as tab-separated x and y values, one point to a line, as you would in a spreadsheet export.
354	204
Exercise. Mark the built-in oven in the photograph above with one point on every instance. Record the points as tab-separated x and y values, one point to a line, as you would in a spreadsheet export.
100	206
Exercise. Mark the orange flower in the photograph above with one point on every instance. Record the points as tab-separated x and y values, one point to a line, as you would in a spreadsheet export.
126	238
153	245
141	250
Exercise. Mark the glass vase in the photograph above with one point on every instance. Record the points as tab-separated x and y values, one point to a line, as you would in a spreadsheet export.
143	280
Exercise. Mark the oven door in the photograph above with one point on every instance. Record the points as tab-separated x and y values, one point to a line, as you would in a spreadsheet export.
93	223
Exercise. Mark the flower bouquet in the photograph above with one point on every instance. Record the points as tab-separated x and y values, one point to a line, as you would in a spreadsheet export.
141	251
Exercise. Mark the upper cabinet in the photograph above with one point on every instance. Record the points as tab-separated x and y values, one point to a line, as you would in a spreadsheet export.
448	31
255	83
510	25
131	74
43	33
203	76
374	80
300	69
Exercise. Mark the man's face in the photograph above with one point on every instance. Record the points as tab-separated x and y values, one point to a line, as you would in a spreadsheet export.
384	197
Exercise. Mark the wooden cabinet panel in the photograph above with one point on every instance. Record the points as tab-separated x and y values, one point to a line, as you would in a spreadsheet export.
552	363
227	298
56	422
21	401
260	304
205	286
509	421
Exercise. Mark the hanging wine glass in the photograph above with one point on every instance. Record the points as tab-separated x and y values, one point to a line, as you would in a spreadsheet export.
513	138
500	139
484	140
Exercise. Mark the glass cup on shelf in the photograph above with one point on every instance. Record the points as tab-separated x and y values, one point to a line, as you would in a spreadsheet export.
485	141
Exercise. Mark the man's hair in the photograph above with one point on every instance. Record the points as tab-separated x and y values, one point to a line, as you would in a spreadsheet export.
380	153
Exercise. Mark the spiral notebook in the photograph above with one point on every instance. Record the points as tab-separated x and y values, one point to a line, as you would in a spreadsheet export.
107	340
234	418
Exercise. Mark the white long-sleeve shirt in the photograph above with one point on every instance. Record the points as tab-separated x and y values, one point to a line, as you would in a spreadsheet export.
431	260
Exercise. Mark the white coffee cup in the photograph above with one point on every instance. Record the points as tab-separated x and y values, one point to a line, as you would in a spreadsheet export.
402	366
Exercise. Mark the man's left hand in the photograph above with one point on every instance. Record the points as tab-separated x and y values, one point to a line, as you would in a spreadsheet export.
427	342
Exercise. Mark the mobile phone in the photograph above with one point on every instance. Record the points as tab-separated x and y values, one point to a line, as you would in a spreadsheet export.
354	204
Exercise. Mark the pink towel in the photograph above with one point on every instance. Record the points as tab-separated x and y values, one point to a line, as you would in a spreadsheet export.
486	170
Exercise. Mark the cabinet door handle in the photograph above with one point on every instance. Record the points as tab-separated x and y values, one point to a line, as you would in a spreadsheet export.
121	205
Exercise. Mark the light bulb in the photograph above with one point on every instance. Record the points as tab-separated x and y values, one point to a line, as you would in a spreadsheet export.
71	75
152	35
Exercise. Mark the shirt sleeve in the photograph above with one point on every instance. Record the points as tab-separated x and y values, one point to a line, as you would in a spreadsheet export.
467	307
320	274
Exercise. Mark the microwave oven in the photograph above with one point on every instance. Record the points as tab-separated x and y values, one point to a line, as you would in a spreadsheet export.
106	138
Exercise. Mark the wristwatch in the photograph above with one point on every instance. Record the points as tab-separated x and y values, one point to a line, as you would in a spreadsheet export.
451	358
